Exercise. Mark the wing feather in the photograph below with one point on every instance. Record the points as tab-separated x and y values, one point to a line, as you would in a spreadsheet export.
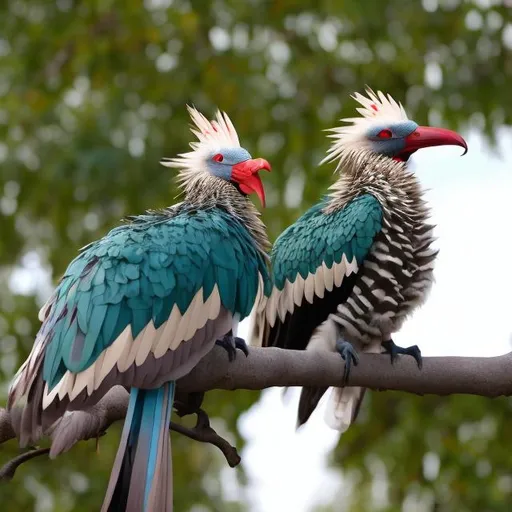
328	277
298	290
166	340
319	257
147	337
214	304
309	288
196	314
339	273
320	282
144	289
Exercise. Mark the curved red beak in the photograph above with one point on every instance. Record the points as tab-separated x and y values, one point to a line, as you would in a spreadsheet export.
246	175
425	136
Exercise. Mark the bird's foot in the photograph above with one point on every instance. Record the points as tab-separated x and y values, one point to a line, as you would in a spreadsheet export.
394	350
349	355
187	403
230	343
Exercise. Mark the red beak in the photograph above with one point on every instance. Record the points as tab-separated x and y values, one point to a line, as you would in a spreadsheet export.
246	175
425	136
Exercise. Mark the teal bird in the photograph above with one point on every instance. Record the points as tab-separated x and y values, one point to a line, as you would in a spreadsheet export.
353	267
140	308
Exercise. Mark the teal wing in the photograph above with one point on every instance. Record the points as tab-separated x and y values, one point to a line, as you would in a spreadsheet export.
147	301
315	263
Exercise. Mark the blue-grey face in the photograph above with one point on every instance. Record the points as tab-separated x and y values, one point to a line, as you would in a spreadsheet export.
221	162
390	140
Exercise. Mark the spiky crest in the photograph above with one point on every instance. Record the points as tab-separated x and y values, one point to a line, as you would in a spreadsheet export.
203	189
212	136
376	109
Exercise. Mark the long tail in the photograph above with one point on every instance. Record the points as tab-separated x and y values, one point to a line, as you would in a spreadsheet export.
343	407
344	402
141	478
309	398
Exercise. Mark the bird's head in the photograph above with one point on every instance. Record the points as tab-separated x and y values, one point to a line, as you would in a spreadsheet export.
218	153
385	129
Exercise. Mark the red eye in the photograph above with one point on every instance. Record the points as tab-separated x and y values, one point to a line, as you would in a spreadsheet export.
217	158
385	134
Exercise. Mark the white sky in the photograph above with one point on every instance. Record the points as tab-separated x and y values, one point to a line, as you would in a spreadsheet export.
468	313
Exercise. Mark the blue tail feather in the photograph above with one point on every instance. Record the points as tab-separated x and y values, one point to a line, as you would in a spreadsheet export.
140	480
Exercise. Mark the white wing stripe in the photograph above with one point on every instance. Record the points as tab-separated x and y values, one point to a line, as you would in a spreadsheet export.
126	351
298	290
147	335
166	340
309	288
127	356
283	301
319	282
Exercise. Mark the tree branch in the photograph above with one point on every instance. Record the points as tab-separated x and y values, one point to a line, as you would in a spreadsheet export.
204	433
269	367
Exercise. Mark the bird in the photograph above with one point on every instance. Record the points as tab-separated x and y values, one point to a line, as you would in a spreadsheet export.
350	270
143	305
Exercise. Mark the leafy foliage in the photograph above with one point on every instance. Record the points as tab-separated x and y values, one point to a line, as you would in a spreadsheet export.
93	94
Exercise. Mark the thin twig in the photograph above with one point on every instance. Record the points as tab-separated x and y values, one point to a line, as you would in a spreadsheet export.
7	471
204	433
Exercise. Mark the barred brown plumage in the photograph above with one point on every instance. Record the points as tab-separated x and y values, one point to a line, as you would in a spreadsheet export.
353	267
398	271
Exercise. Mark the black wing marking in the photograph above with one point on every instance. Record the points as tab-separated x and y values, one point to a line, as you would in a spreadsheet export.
298	327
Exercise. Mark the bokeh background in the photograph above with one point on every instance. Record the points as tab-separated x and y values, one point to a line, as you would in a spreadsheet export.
93	94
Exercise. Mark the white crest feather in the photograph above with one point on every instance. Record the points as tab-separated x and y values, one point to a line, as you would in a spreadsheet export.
376	109
211	136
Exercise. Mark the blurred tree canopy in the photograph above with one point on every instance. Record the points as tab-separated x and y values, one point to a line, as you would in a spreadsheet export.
93	94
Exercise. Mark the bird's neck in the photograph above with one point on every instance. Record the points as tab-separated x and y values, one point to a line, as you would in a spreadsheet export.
213	192
365	172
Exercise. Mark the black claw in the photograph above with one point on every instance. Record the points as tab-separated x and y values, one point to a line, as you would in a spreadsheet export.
240	344
187	403
349	355
394	350
230	343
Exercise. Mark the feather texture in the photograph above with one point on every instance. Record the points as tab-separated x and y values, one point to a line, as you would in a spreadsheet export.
141	477
140	291
376	109
139	308
334	234
368	243
211	135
